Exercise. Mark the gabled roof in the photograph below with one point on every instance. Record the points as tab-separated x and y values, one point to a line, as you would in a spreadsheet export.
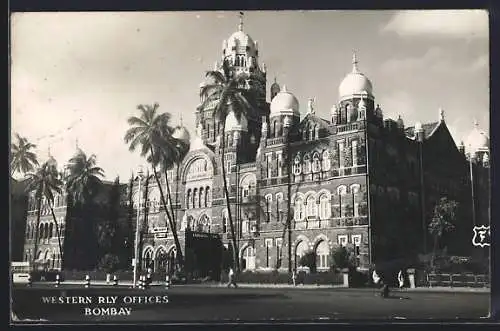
429	129
312	118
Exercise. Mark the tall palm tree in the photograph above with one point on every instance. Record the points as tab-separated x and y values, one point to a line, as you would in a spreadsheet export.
152	133
45	182
83	182
23	160
230	93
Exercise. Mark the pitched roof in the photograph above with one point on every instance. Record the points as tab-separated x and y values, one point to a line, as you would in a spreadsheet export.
428	128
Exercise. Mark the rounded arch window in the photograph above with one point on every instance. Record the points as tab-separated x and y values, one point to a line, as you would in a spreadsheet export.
322	255
307	164
326	160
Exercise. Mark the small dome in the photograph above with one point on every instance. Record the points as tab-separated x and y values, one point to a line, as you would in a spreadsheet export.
233	124
355	83
477	140
285	103
181	133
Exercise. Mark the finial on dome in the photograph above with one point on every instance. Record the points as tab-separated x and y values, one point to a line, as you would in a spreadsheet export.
216	65
354	62
476	123
181	118
76	143
284	89
49	151
240	26
441	114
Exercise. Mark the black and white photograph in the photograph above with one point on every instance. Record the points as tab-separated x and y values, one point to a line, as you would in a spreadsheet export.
250	166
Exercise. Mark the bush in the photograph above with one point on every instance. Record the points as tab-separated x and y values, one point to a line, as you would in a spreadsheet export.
342	257
308	260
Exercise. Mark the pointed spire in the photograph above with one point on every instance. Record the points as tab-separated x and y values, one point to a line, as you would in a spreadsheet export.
181	118
354	63
240	26
441	114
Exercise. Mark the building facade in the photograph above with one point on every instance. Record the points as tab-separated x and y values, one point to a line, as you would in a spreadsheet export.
354	179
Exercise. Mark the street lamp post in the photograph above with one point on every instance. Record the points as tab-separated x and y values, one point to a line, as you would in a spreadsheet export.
137	226
471	159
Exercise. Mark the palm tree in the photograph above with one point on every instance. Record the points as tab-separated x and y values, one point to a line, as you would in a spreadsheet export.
23	160
152	133
442	221
229	93
45	182
83	182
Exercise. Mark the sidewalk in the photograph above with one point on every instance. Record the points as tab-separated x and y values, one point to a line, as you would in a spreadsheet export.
129	283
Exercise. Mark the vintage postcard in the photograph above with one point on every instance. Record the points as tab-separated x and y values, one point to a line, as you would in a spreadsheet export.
257	166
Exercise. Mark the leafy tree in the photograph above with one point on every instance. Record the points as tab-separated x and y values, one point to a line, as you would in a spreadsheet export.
45	182
308	260
152	133
342	257
229	92
443	217
23	160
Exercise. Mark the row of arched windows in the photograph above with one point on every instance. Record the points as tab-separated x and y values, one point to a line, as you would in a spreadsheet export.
53	258
312	164
319	205
198	197
59	201
46	230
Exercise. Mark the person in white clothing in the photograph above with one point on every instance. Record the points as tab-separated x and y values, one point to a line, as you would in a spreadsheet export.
231	278
375	277
401	279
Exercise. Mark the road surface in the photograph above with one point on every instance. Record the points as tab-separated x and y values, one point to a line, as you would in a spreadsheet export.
191	303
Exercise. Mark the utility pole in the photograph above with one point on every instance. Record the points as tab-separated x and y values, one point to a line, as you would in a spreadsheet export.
137	227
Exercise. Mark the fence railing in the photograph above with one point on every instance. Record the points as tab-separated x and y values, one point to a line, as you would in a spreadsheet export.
458	280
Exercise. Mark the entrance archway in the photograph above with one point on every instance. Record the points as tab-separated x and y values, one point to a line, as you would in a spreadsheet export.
248	258
300	250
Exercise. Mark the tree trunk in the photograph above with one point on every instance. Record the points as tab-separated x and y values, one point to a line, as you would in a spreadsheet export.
170	201
434	251
35	248
58	235
173	229
236	261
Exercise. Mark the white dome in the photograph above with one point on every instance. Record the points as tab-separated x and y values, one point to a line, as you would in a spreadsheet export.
355	83
476	141
181	133
285	103
242	44
232	123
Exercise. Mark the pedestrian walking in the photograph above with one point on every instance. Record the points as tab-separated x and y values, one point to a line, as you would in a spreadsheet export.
375	277
232	281
401	279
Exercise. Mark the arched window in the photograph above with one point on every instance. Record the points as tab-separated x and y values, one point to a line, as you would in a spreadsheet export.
207	197
195	198
269	200
311	206
297	165
316	163
279	210
200	202
355	200
51	230
322	254
324	207
300	251
326	160
275	129
307	164
188	199
311	132
299	209
224	221
148	258
341	192
354	153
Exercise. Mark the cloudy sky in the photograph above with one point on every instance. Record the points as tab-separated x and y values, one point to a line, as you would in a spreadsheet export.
79	76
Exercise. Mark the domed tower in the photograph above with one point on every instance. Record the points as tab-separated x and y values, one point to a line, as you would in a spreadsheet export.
284	114
354	87
477	144
240	57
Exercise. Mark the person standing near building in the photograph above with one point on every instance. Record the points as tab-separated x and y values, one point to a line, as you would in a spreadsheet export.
401	279
232	281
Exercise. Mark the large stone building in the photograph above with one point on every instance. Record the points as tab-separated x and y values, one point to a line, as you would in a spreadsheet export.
354	178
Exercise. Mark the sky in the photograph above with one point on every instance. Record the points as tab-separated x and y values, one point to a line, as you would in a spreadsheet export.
77	77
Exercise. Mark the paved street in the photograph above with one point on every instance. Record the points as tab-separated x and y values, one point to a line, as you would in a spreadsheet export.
190	303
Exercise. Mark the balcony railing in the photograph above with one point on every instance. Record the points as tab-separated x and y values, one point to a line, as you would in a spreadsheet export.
318	223
350	221
275	141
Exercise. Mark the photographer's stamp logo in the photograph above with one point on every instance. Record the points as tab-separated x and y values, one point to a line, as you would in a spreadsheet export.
481	236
